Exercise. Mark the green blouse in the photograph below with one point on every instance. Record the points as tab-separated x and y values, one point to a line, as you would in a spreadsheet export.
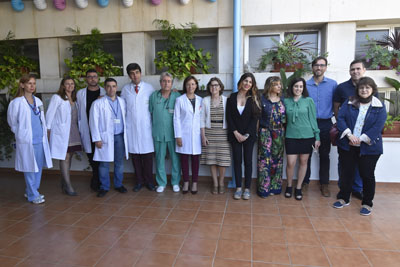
301	118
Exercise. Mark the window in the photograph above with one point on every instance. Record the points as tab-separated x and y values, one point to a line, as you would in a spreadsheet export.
113	45
361	40
257	43
209	43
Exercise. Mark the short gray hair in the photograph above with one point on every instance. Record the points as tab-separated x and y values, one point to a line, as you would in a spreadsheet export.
166	73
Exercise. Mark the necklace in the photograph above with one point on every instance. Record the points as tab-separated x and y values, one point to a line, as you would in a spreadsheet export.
33	107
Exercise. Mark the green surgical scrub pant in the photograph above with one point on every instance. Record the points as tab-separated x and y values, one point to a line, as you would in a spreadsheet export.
161	150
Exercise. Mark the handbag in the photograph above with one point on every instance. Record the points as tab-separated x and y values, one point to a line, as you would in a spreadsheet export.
333	134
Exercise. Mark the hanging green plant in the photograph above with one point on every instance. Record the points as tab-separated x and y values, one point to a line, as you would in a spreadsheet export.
88	53
180	57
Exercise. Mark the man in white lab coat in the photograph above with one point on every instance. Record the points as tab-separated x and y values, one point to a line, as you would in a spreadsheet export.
108	129
84	99
138	126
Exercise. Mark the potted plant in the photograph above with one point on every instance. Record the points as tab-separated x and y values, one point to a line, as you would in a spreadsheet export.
180	57
290	54
392	125
88	53
13	64
380	57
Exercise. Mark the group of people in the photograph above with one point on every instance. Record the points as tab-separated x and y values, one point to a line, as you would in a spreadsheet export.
187	128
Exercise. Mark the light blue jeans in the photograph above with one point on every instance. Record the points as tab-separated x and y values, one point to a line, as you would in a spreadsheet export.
104	167
32	179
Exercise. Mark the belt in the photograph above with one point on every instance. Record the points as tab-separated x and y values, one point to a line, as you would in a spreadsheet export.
221	121
324	119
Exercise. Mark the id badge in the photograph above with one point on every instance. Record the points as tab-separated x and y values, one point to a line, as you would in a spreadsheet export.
171	111
117	121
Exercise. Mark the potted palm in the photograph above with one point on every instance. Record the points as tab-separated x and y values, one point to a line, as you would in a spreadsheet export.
392	125
379	56
290	55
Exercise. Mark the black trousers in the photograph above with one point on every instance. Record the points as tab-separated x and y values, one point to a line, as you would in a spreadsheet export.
366	166
245	148
324	150
95	181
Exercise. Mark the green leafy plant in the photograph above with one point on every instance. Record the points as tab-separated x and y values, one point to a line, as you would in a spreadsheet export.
286	80
289	52
13	63
6	136
395	116
88	53
180	57
380	56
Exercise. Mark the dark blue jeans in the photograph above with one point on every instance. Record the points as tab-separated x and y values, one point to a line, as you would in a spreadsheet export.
104	167
324	150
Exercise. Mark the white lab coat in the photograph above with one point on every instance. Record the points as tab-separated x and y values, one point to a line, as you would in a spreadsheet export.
138	118
19	119
206	116
187	125
101	121
58	119
83	120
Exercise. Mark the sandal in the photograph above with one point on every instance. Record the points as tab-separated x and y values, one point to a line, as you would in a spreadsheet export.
221	189
214	190
297	194
288	192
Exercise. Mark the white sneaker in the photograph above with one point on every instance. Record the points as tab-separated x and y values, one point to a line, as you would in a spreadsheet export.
160	189
41	196
38	200
176	188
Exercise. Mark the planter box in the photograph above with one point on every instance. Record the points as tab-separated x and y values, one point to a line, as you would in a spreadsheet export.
394	132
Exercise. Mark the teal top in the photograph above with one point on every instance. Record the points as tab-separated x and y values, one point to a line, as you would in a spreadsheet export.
301	118
162	112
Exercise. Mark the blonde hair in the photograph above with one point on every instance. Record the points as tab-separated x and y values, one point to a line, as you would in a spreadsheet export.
24	79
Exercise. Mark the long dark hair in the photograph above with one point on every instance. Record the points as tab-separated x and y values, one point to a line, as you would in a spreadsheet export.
61	90
293	82
252	93
187	79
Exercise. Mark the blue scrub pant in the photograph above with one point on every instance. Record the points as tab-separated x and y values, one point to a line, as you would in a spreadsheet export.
32	179
104	167
161	150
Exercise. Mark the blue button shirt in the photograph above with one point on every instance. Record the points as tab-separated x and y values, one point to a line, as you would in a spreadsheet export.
322	94
116	114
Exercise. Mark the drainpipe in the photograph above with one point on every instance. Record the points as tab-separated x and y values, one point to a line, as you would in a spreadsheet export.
237	14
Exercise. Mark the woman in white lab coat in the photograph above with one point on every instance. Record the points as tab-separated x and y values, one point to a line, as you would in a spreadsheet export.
187	117
62	124
26	118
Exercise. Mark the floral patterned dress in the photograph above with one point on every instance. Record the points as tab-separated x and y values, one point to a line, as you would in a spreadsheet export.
270	151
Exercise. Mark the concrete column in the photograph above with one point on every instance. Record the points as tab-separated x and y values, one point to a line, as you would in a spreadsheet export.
63	53
48	58
340	42
133	50
225	50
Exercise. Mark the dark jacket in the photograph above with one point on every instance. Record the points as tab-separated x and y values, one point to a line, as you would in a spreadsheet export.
245	123
373	125
266	109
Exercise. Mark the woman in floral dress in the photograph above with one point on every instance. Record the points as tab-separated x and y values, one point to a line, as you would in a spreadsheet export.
271	139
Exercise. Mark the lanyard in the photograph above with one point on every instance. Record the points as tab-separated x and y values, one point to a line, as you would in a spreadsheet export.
115	112
34	106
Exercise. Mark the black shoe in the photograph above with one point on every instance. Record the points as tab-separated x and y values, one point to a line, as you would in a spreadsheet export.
297	194
101	193
358	195
151	187
121	189
288	192
137	187
95	188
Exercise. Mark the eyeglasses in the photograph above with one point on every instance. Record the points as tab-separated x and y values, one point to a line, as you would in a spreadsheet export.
214	85
320	65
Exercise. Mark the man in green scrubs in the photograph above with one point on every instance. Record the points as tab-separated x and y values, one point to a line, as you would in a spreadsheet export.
161	105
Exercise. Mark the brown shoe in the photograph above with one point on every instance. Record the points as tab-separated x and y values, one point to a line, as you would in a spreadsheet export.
325	190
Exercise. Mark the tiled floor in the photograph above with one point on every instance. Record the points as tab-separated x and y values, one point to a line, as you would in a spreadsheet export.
169	229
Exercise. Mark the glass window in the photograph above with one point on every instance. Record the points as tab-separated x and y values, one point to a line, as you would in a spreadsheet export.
208	43
392	105
361	40
310	37
112	44
257	46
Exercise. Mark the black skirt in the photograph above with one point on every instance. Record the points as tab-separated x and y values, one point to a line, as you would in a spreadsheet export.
299	146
